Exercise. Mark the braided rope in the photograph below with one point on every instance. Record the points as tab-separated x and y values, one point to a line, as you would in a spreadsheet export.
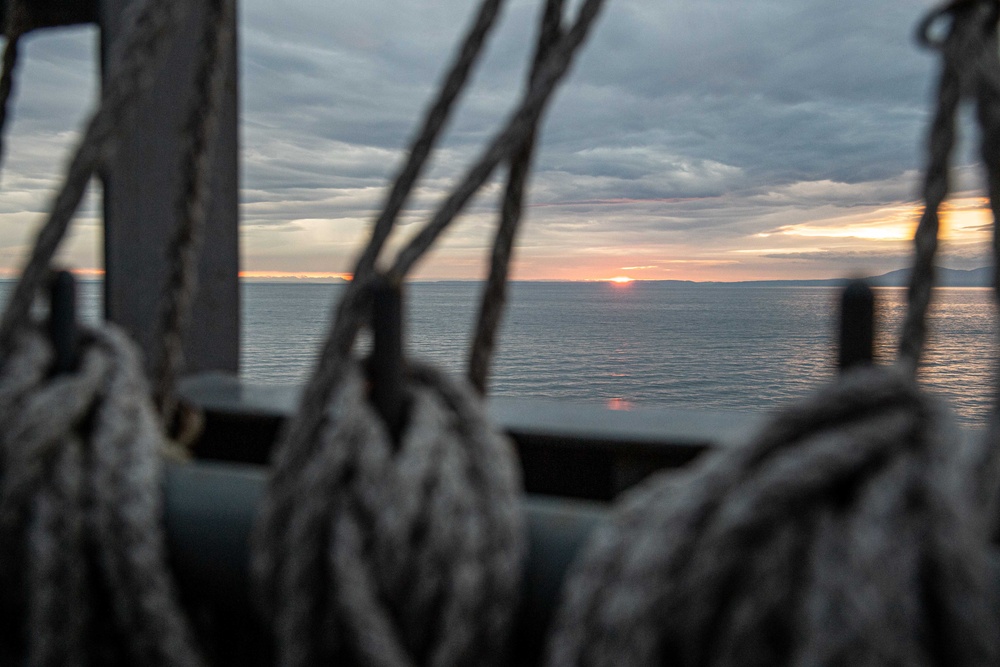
80	510
843	534
962	48
185	248
495	291
418	569
851	530
411	553
81	537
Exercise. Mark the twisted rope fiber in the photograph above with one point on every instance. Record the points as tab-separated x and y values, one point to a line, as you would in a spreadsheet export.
400	554
851	530
80	508
494	295
351	310
192	205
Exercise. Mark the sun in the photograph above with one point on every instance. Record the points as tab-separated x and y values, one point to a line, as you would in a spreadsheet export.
621	280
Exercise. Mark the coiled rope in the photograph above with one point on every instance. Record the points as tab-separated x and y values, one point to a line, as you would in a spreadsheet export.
82	554
410	553
852	529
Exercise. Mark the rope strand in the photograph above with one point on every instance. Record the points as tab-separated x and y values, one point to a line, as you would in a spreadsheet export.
185	249
494	294
390	553
957	49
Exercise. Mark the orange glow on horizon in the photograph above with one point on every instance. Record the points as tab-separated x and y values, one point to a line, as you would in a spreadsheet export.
80	273
294	275
621	280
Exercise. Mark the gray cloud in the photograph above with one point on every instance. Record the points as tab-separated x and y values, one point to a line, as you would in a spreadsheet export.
686	125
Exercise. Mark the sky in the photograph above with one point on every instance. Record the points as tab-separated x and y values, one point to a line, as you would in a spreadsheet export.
694	140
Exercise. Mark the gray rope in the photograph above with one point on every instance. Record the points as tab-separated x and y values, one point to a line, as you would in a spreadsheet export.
416	569
81	511
411	556
340	340
845	533
851	530
81	539
494	295
434	123
962	47
185	248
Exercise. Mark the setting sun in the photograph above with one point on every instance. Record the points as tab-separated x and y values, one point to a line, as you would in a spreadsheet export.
621	280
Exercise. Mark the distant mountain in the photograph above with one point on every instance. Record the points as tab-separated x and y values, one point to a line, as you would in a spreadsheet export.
981	277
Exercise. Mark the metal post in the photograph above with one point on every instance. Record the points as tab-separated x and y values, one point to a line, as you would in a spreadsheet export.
857	328
140	199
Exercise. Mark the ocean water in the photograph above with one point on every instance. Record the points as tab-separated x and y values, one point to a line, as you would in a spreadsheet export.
638	345
642	344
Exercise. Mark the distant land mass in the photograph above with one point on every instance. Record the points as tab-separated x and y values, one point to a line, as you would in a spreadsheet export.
981	277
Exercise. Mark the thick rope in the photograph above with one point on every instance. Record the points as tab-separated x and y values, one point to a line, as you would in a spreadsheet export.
852	530
962	47
495	291
434	123
406	556
415	568
352	309
185	249
842	534
82	554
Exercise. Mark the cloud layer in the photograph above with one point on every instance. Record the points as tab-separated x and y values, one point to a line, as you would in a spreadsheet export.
704	140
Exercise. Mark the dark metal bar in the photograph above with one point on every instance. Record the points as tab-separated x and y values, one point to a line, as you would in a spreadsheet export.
210	512
62	322
141	189
857	325
385	367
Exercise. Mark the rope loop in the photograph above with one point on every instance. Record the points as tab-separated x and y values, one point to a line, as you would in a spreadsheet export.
82	547
844	533
83	560
969	60
380	552
416	567
854	528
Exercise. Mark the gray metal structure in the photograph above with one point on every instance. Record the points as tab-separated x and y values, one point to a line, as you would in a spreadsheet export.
140	198
141	193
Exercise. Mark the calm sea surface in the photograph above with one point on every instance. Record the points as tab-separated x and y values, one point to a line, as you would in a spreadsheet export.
643	344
